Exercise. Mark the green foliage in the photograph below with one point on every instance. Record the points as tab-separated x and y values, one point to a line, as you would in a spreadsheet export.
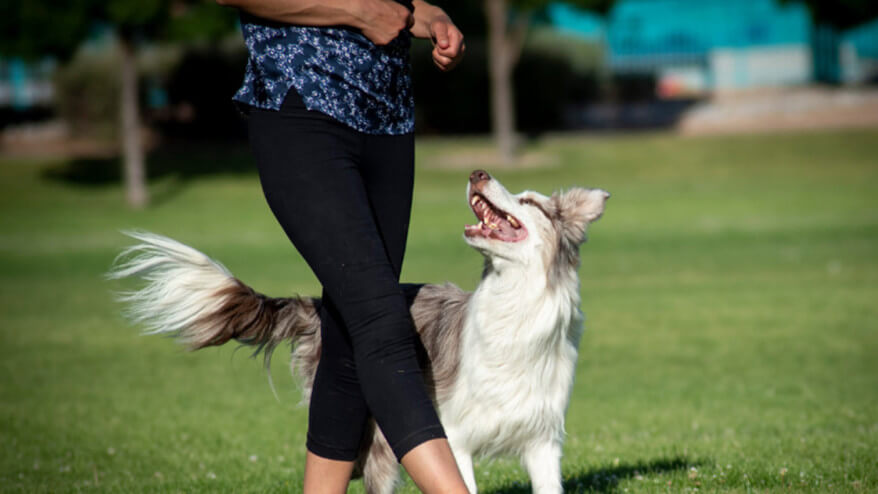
138	17
201	21
729	291
35	28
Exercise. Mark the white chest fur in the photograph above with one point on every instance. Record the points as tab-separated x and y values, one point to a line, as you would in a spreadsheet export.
518	358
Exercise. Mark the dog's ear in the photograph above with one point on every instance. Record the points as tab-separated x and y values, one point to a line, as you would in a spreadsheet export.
576	208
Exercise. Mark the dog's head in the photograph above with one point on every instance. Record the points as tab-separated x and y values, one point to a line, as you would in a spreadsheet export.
529	227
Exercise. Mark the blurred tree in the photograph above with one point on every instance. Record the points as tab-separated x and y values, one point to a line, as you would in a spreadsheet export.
36	28
507	22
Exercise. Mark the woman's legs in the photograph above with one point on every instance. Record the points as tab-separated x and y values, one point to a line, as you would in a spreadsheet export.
433	468
325	476
339	213
430	464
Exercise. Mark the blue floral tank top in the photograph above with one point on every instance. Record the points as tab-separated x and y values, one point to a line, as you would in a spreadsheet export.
336	71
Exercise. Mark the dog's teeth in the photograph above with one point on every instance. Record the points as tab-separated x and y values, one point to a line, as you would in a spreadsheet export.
493	226
474	200
512	221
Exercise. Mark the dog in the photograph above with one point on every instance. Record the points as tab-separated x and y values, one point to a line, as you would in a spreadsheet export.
501	359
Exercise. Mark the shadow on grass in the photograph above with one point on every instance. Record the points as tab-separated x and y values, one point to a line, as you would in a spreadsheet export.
179	162
605	479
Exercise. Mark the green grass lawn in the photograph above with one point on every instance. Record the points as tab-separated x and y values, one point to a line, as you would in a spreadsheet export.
730	290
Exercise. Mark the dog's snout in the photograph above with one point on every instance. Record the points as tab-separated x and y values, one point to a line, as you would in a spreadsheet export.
479	176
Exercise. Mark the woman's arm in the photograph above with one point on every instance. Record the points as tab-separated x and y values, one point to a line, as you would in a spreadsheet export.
379	20
433	23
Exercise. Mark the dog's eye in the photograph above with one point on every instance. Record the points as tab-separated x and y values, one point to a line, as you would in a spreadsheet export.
531	202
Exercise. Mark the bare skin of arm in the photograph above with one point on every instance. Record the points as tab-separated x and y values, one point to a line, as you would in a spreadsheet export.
379	20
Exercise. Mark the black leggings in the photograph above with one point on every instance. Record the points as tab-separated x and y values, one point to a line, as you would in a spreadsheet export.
344	199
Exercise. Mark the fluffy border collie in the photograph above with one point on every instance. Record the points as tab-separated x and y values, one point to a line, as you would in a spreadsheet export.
501	359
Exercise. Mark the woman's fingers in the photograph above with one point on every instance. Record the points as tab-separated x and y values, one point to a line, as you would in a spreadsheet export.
443	62
439	30
448	44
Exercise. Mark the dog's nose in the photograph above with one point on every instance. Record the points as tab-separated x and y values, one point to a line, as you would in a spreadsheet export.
479	176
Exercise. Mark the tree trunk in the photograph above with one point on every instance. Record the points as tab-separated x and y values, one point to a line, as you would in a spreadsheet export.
132	145
501	60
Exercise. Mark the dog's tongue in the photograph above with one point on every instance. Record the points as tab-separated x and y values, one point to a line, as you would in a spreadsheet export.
503	231
506	232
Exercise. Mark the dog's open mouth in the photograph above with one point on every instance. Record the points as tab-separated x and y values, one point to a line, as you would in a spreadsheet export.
493	222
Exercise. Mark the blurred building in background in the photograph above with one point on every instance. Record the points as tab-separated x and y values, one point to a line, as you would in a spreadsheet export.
718	65
693	47
572	21
26	85
858	54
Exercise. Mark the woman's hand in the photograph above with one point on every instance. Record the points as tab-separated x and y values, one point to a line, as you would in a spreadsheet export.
382	20
379	20
433	23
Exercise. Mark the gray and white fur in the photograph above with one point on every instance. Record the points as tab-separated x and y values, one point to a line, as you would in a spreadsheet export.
501	359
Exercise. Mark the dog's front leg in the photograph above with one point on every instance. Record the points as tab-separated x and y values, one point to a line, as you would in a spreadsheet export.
543	464
464	461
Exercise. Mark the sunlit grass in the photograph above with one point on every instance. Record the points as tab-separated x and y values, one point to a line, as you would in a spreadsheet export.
730	292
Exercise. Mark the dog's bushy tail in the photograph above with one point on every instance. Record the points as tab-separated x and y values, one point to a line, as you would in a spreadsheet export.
196	299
